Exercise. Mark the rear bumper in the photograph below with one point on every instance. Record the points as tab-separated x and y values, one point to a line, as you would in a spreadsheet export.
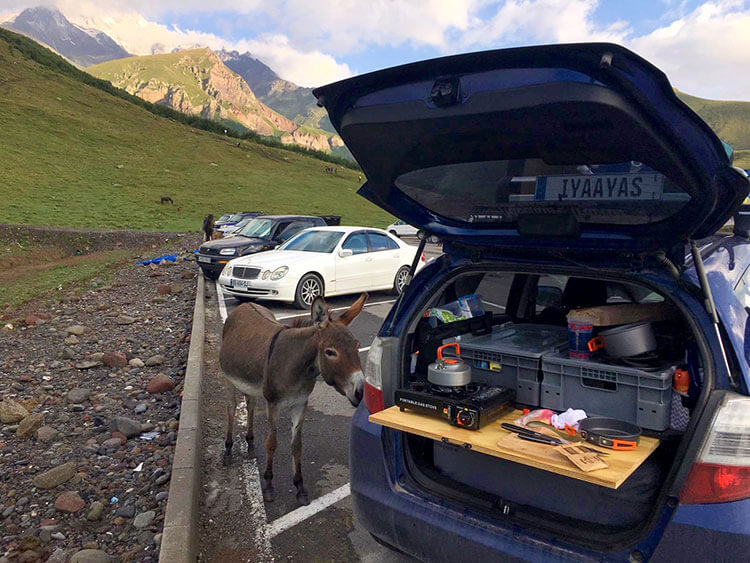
430	530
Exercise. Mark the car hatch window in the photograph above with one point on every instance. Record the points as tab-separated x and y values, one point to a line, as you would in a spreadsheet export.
356	242
742	291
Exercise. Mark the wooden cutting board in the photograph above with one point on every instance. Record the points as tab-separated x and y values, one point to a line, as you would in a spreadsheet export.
495	441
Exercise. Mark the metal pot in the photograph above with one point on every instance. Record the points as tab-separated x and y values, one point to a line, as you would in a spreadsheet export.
625	341
449	372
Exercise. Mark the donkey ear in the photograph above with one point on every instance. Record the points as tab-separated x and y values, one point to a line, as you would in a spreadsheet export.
319	312
355	309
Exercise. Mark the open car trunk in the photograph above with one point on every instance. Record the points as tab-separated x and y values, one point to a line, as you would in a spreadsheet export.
521	340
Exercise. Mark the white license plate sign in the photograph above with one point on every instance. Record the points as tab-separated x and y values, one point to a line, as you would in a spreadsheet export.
240	283
204	259
600	187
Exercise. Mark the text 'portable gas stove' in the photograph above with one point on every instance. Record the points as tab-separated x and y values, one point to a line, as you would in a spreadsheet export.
450	394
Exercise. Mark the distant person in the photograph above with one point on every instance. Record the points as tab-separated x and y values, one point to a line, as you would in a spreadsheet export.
208	226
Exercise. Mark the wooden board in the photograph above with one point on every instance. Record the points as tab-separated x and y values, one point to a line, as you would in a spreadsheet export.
495	441
610	315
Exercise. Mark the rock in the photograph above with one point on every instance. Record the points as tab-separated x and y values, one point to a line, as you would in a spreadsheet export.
69	501
136	363
78	330
11	411
121	436
78	394
71	340
161	496
156	360
114	360
33	319
97	356
141	408
87	364
55	476
126	511
164	289
90	556
95	512
124	320
144	519
163	479
157	539
112	443
69	354
127	426
160	383
58	556
46	434
58	536
146	537
29	426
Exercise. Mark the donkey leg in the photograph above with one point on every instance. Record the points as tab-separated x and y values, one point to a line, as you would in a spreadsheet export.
271	442
231	407
250	403
298	416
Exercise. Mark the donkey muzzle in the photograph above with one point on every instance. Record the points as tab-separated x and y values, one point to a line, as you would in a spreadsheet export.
355	389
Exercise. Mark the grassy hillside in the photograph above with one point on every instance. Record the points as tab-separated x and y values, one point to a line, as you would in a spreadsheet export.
730	120
74	155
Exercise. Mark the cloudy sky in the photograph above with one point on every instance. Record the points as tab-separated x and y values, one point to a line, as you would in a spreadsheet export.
704	46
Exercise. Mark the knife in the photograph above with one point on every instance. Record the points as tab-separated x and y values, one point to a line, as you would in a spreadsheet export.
521	431
547	440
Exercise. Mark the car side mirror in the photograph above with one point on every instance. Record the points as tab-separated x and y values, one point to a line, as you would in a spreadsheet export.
344	252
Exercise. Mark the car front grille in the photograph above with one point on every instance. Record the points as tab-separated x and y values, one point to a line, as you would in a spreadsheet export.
210	251
245	273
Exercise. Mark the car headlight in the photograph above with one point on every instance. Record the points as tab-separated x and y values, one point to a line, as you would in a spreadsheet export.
252	248
266	274
227	251
279	273
227	271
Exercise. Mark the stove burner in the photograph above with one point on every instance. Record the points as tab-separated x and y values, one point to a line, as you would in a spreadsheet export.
468	406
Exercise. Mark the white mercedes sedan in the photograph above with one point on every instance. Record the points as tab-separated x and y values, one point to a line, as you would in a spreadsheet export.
322	261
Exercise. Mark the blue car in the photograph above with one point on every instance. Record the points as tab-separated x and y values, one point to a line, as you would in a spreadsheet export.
563	181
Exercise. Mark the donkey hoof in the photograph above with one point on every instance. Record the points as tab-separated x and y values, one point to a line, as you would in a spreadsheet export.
303	498
269	493
226	459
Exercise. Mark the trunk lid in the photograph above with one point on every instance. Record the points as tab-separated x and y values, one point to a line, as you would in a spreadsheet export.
555	147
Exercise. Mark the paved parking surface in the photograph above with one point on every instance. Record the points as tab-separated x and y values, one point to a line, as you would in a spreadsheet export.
325	530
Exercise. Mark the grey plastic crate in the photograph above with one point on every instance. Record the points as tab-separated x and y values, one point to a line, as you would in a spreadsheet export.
630	394
511	356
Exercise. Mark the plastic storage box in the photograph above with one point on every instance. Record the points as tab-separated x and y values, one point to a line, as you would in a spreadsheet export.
637	396
511	356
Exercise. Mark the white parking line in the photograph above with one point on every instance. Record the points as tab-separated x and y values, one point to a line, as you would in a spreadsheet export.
294	517
365	349
222	305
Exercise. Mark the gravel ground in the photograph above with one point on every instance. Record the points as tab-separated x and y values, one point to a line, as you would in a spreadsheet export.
89	403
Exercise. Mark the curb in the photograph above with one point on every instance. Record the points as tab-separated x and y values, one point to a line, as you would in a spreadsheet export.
178	544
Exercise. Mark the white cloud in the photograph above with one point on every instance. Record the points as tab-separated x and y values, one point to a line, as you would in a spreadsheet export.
706	52
542	21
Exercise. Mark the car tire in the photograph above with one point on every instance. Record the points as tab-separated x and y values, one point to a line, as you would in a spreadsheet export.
399	282
307	289
210	275
394	233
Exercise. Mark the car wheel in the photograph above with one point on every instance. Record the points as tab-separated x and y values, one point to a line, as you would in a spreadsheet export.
210	275
399	282
394	233
308	288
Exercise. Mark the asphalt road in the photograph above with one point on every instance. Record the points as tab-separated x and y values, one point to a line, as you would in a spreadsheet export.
328	530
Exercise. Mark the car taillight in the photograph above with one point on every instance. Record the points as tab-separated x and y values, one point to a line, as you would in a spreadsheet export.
374	378
722	471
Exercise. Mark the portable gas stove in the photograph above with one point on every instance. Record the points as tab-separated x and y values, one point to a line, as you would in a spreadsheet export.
469	406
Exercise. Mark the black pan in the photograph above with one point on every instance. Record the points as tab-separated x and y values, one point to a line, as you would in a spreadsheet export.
610	433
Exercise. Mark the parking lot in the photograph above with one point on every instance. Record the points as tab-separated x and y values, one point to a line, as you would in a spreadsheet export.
235	522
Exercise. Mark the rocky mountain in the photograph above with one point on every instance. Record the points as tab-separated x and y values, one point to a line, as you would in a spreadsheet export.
293	101
196	81
80	45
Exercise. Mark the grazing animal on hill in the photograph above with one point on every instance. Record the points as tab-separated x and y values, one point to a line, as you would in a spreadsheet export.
262	357
166	198
208	226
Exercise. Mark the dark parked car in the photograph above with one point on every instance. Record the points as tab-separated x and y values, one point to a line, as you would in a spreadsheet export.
234	218
262	233
558	177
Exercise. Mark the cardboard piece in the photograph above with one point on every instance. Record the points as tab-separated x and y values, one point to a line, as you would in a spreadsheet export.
584	460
